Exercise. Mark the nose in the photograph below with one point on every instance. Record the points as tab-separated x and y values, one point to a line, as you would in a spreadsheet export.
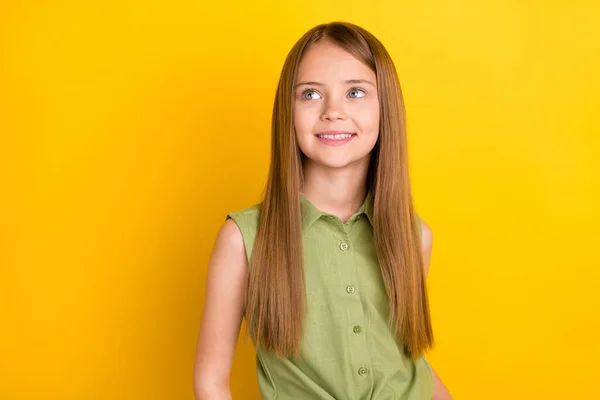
333	110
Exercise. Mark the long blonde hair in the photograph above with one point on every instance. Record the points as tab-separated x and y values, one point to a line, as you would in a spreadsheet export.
275	295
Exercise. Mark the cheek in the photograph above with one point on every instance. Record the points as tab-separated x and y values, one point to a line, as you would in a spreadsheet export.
368	118
301	127
298	120
303	119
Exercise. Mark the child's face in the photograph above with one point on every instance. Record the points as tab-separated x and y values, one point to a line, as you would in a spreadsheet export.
335	94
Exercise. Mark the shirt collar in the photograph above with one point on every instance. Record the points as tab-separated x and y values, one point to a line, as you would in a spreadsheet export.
310	213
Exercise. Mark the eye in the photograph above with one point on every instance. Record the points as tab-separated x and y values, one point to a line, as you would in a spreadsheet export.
310	94
356	93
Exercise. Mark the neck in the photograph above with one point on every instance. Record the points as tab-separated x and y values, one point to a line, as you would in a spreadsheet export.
337	191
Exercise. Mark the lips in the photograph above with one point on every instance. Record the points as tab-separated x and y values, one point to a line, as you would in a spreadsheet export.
335	138
333	132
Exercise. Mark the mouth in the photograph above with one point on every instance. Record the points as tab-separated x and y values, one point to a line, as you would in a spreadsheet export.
335	135
335	138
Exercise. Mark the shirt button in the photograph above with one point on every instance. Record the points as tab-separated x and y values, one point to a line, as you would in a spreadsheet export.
350	289
344	246
357	329
362	371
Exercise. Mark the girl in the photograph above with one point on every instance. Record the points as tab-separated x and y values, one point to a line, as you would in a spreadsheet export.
329	269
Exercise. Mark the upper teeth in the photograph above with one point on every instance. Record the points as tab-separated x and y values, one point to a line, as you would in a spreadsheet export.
336	137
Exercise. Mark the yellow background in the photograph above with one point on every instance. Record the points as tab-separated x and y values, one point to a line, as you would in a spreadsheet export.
129	129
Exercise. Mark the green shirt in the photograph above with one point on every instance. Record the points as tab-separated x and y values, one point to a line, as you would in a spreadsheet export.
347	351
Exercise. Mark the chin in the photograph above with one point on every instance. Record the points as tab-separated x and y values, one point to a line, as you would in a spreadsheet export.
334	162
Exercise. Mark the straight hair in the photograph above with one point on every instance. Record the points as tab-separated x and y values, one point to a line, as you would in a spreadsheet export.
275	298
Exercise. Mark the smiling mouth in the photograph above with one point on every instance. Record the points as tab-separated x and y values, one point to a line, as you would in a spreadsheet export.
335	135
335	138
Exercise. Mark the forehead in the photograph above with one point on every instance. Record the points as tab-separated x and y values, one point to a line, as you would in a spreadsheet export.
326	61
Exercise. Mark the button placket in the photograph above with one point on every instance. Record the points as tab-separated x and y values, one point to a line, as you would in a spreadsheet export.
361	361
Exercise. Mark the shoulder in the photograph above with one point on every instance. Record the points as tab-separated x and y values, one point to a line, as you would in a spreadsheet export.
250	213
228	264
228	257
230	240
230	234
244	223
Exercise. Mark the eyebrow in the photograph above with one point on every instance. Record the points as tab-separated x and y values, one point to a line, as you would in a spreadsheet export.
348	82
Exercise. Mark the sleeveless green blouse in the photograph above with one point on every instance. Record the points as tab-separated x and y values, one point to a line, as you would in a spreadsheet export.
347	351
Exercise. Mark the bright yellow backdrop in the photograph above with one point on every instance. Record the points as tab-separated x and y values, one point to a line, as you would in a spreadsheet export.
129	129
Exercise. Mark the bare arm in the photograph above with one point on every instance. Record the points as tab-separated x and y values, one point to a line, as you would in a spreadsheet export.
426	245
222	314
440	391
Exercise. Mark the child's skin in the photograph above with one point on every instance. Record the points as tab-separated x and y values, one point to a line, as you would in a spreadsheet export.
335	92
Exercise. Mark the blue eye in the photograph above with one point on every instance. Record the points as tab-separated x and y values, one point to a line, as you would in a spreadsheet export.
310	95
356	93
